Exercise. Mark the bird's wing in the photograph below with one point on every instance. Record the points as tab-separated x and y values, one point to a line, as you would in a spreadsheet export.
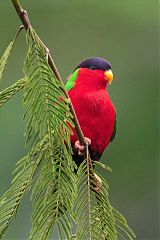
71	81
114	130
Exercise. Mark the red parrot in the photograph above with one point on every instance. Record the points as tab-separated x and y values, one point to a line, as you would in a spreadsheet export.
87	89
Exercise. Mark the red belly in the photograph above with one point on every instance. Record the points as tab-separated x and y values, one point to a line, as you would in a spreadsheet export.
96	115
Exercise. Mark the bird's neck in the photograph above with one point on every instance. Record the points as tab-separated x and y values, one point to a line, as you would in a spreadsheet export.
91	81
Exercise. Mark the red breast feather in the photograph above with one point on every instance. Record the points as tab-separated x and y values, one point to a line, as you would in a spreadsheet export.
93	107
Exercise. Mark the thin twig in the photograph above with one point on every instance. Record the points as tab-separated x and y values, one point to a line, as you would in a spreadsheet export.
19	30
25	20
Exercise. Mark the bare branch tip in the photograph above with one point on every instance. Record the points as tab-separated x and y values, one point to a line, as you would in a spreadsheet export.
21	27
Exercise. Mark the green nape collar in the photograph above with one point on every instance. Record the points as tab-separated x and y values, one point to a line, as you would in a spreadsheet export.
72	80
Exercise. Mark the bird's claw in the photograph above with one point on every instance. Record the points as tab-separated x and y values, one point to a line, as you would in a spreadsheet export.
79	148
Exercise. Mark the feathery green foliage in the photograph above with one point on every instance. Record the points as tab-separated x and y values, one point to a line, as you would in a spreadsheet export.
53	195
4	58
46	104
25	169
9	92
47	113
60	195
48	168
95	217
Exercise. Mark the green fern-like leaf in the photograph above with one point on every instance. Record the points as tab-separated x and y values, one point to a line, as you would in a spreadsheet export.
95	217
53	195
48	114
9	92
25	170
4	58
43	95
59	195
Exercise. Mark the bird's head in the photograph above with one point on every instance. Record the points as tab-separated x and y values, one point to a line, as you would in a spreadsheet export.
97	64
93	73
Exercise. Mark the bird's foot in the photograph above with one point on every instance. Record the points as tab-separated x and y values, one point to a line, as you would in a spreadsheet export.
79	148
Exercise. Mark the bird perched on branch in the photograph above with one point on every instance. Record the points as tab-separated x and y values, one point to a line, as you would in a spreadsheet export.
87	89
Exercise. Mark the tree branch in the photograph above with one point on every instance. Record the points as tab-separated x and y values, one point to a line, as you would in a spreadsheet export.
25	20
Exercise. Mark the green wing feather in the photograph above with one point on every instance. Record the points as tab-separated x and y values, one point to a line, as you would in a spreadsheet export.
72	80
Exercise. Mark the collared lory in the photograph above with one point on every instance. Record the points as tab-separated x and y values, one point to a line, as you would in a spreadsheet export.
87	89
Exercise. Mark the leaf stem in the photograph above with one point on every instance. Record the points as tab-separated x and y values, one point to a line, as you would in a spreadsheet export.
25	20
18	32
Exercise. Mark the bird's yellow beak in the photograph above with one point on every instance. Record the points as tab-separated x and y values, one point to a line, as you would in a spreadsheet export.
108	75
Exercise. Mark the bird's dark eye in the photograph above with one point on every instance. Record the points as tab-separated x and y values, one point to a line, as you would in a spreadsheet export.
92	68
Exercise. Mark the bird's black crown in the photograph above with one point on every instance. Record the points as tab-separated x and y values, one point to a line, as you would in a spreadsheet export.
94	64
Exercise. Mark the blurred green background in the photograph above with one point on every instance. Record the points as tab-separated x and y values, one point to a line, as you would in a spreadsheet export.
126	33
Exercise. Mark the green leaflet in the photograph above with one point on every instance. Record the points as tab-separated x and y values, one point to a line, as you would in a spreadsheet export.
93	211
95	216
71	82
45	111
25	169
6	54
59	196
47	115
9	92
4	58
53	196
